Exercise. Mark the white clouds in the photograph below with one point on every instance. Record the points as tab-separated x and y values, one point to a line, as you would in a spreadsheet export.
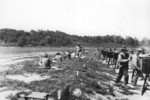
128	17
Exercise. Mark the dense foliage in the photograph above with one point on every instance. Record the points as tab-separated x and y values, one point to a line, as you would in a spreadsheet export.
12	37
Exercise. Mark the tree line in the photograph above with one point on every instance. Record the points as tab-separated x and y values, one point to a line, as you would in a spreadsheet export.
21	38
145	42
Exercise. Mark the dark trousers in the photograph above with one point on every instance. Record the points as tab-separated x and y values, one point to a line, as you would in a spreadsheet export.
132	75
136	75
123	71
140	73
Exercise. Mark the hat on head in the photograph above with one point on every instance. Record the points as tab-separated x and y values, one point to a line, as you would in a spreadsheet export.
123	48
139	50
46	55
131	51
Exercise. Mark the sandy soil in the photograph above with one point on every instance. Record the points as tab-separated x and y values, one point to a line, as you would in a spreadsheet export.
5	92
27	78
137	90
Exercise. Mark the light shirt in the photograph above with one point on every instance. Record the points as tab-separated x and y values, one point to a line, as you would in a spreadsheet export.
135	62
46	62
58	57
78	49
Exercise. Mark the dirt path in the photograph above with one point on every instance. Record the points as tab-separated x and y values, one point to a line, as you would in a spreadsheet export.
136	90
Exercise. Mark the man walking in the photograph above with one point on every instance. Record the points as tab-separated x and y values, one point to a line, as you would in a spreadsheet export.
122	61
136	67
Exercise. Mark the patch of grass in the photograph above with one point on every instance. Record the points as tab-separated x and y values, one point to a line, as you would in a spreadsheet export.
29	66
13	84
87	80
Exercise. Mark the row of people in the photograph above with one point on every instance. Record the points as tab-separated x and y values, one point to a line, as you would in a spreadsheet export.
46	62
122	59
109	54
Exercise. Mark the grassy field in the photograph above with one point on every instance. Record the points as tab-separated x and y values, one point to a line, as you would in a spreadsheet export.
94	79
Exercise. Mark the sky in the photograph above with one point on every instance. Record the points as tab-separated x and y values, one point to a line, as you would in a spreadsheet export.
79	17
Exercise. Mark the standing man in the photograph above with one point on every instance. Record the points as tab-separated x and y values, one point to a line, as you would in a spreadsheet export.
136	65
78	50
122	61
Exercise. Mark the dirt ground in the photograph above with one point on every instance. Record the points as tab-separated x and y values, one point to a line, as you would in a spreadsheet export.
137	89
91	91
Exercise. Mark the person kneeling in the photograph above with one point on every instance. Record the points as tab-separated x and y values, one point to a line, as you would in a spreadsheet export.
45	62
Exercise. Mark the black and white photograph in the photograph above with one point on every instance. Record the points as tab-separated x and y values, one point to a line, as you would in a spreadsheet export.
74	49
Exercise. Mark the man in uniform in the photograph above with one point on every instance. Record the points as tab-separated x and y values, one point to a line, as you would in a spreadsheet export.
122	61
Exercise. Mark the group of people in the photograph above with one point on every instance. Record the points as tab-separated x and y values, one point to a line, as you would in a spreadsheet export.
109	53
123	62
45	62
